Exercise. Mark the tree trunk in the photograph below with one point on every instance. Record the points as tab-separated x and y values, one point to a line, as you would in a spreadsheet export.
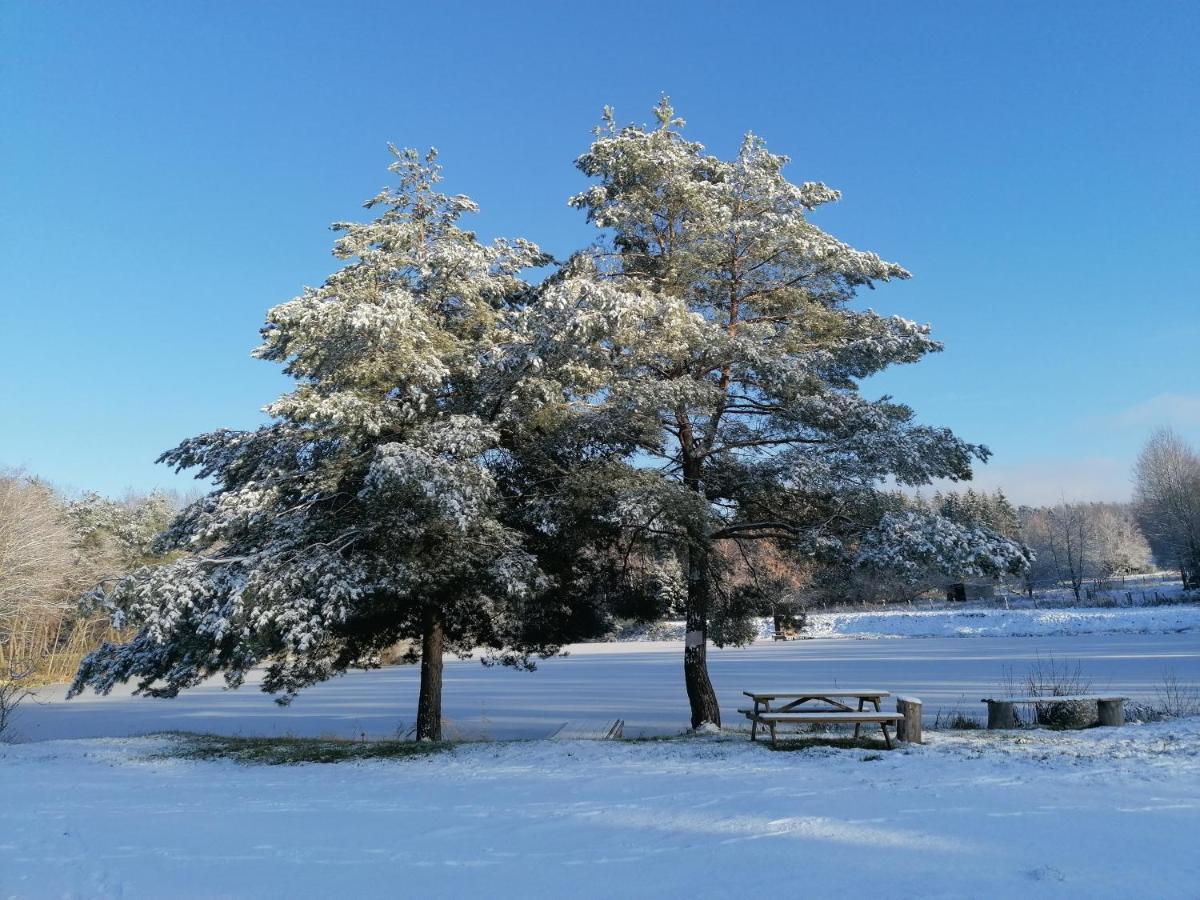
429	703
701	696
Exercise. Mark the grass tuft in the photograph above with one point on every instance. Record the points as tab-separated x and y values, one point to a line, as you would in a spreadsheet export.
286	751
955	721
838	743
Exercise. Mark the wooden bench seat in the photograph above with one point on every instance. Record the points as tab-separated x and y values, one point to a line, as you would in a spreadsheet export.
831	716
1099	698
822	717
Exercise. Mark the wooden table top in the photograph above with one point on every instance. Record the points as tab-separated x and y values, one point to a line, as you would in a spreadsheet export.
816	693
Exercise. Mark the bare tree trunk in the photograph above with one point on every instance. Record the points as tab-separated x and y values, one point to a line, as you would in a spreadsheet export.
701	696
429	702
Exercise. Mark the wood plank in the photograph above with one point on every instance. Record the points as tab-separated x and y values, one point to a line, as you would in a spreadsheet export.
829	717
816	693
1089	698
591	730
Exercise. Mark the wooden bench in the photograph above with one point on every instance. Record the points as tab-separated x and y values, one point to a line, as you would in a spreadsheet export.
1002	711
854	717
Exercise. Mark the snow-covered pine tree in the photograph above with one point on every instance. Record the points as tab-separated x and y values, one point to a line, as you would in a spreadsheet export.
365	513
716	318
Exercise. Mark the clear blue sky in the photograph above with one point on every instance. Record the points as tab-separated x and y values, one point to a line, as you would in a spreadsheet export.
168	172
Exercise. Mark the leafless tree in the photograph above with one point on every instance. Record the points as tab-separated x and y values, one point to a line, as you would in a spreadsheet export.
51	551
1168	501
37	557
1075	542
1118	545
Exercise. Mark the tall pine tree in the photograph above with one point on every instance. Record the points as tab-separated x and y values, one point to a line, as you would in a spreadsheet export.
366	512
717	319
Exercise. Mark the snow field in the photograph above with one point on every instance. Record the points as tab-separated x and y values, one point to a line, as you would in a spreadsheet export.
639	682
1100	813
1006	623
973	622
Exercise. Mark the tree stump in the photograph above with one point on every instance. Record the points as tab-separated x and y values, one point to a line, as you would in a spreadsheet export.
1112	712
1001	715
909	730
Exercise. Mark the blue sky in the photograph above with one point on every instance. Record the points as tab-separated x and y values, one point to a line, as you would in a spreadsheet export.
168	171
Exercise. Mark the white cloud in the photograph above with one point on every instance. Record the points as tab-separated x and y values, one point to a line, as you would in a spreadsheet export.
1180	410
1042	482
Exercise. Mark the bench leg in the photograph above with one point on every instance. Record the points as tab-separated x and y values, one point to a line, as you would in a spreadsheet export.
772	724
886	737
1111	712
1001	715
754	729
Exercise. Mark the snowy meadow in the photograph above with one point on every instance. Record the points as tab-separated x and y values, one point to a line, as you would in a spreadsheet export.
1101	813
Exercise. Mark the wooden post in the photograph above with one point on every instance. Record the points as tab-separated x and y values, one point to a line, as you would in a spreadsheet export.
1112	712
1001	715
909	730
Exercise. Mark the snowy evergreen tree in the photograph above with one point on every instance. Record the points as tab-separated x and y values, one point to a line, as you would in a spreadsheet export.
715	318
120	533
975	509
366	512
915	542
904	545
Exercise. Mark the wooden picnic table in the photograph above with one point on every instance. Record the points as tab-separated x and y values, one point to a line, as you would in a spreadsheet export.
795	708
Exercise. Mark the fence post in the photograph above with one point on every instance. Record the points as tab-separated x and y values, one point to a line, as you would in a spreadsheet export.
909	728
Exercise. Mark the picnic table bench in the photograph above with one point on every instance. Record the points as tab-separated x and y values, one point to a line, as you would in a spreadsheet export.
836	709
1002	710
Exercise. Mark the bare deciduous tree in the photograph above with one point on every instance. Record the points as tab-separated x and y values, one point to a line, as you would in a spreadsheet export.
1118	547
1075	542
1168	501
36	560
51	549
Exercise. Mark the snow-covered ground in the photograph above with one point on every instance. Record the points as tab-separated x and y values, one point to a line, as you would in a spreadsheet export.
970	621
641	683
1098	813
1002	622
